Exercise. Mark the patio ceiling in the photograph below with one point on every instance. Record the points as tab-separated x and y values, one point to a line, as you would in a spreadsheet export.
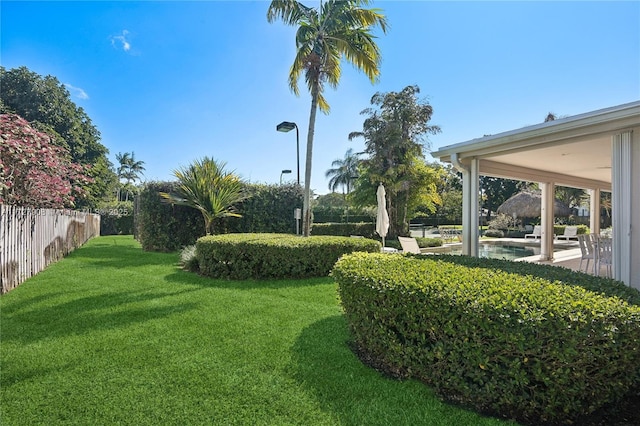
573	151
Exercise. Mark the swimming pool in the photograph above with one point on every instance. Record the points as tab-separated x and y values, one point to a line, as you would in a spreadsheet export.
497	249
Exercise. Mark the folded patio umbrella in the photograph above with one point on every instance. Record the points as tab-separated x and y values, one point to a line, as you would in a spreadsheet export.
382	217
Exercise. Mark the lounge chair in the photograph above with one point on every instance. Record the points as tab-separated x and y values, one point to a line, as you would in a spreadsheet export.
409	245
537	232
570	232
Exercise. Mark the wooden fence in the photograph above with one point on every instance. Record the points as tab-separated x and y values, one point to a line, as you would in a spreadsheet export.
32	239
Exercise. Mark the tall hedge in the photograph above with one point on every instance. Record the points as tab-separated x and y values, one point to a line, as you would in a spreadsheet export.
269	208
163	227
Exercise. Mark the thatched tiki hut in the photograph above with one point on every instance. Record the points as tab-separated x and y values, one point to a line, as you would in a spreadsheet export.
529	205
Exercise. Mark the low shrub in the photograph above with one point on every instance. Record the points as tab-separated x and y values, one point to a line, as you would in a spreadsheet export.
504	340
188	258
244	256
494	233
367	230
116	217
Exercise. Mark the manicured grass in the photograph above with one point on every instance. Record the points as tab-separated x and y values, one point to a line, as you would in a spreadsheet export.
115	335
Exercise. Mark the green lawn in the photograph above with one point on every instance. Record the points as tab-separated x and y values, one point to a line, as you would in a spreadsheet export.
112	334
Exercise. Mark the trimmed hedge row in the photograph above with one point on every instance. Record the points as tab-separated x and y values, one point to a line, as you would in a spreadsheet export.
244	256
365	229
503	340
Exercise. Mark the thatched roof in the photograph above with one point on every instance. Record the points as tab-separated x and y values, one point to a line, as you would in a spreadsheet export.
529	204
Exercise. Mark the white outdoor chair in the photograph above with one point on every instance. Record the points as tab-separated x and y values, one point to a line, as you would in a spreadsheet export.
604	256
537	232
409	245
586	248
570	232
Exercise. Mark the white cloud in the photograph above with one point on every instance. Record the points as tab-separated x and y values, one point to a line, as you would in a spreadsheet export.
76	91
121	41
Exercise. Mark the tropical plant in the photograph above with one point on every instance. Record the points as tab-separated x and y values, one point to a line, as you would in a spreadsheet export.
395	138
344	172
335	30
206	186
130	170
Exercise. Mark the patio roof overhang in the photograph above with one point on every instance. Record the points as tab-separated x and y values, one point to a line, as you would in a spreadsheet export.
573	151
599	151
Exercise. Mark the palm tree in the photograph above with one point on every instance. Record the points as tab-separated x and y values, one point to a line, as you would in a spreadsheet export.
344	171
337	29
205	185
129	169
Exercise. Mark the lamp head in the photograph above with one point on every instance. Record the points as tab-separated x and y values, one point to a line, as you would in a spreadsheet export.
286	126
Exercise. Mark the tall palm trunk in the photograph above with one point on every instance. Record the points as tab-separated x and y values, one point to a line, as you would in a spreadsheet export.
306	218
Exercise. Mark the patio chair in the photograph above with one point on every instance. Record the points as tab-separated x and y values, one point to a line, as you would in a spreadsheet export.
588	253
409	245
604	256
537	232
570	232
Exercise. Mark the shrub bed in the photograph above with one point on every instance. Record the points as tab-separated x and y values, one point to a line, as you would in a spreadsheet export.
502	340
243	256
367	230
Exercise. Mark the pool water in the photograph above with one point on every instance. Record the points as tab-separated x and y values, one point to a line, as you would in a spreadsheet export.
503	250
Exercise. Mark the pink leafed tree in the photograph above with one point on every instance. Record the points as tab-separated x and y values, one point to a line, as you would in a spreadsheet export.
33	171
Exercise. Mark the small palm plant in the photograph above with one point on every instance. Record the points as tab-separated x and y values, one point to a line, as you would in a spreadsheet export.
206	185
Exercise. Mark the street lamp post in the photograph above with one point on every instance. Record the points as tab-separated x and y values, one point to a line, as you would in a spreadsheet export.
287	126
284	172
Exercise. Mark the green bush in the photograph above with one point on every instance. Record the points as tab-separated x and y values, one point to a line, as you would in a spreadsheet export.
503	340
494	233
367	230
243	256
116	217
164	227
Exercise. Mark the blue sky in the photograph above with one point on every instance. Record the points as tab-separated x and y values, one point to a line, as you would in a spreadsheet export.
175	81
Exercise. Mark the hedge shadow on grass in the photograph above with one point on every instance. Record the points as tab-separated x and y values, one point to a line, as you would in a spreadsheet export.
105	311
358	394
191	278
108	253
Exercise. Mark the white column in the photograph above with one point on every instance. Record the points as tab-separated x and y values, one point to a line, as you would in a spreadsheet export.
625	181
547	220
594	211
470	206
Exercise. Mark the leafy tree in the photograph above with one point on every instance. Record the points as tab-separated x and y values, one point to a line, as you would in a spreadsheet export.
206	186
572	197
33	171
496	191
344	172
395	138
449	187
47	105
336	30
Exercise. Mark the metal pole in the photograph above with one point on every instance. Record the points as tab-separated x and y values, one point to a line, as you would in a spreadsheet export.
298	152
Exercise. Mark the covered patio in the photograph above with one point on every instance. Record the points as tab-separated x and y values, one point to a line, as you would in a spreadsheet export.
597	151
